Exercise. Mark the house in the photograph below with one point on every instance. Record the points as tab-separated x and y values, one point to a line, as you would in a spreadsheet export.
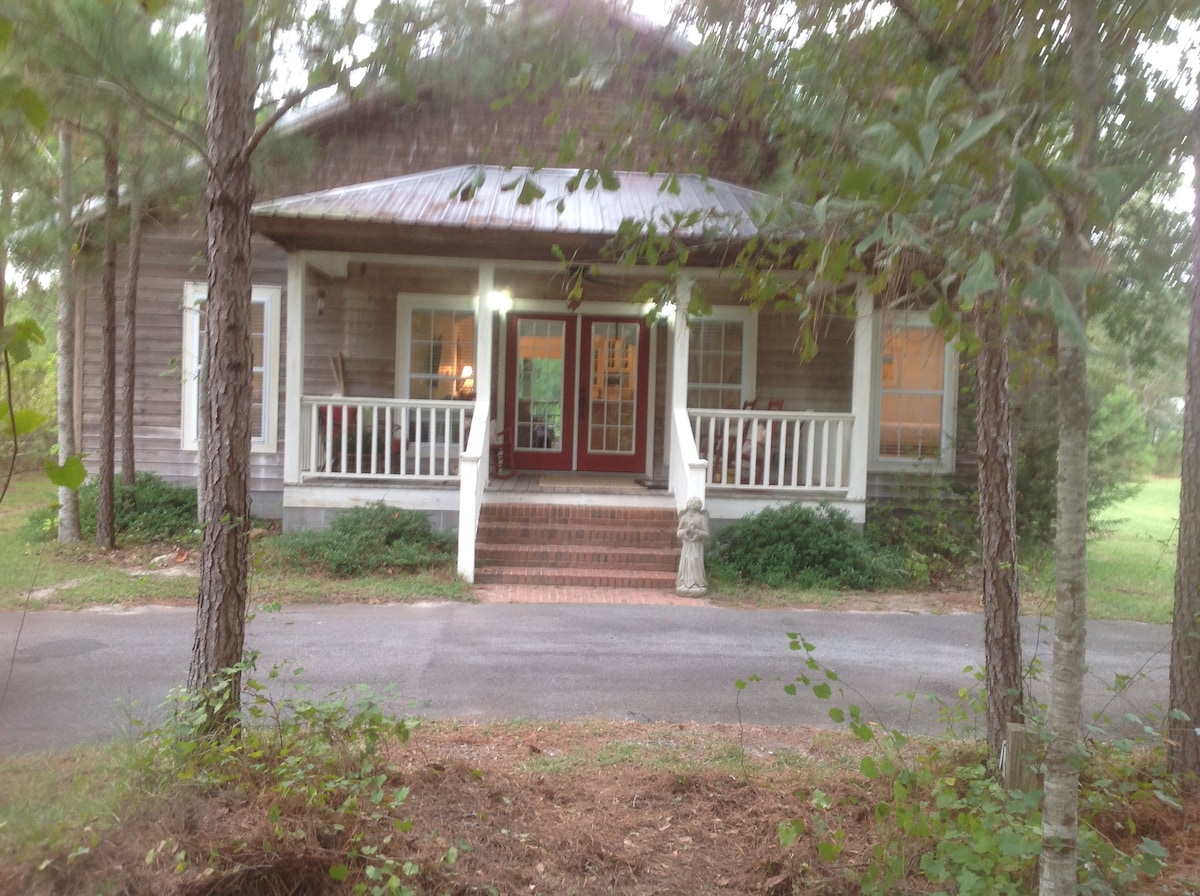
436	326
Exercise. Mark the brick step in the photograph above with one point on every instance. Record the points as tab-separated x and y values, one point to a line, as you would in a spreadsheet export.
524	533
573	556
557	544
555	514
581	577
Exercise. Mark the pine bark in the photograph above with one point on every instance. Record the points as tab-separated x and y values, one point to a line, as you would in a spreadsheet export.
221	610
106	532
997	482
1183	743
68	498
129	341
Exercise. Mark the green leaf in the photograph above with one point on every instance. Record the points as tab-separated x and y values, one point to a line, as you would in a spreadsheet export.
829	851
790	831
822	691
935	89
868	767
154	7
980	279
929	140
20	422
6	32
70	474
530	192
339	872
609	179
1028	190
974	132
35	111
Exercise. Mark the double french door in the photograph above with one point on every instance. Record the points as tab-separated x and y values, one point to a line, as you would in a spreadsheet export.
576	392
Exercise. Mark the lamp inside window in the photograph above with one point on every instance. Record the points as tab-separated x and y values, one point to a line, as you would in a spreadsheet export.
466	383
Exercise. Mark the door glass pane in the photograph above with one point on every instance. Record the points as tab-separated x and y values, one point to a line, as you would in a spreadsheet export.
541	356
612	414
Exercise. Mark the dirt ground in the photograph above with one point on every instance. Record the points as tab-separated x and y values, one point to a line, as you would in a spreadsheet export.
580	808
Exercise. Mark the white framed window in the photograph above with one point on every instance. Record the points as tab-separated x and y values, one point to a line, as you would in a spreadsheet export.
721	360
914	395
440	349
265	304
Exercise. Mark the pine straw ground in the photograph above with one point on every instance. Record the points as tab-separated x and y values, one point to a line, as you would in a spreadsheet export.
580	808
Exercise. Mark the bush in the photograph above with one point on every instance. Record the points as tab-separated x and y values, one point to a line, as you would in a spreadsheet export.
372	539
805	546
940	533
153	510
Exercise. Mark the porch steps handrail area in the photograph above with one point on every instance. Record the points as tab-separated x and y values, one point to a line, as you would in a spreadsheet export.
345	437
805	451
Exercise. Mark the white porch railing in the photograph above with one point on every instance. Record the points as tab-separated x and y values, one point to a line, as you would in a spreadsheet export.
368	438
800	451
474	472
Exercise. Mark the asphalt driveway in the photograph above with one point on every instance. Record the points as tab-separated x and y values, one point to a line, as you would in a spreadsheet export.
97	675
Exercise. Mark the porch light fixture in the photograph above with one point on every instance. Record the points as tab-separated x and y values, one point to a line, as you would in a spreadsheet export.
500	300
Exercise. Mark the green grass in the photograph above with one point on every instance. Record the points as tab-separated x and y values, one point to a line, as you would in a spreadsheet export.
1131	562
41	575
43	797
1131	565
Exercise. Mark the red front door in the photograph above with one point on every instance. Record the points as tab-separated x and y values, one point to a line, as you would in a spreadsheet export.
577	392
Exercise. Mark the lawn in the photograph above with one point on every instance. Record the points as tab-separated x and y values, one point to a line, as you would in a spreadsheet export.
1131	561
41	574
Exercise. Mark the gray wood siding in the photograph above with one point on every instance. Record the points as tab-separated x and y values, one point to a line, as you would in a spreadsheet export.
823	383
171	256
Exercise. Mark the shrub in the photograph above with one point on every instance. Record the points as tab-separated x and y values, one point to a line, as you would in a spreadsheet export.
805	546
372	539
153	510
940	532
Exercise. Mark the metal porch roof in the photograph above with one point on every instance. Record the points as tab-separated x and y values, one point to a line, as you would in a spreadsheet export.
487	198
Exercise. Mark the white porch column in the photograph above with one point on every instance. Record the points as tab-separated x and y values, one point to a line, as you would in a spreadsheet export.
687	473
294	372
484	374
680	344
473	462
860	399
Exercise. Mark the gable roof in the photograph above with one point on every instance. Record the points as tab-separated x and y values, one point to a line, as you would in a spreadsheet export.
467	209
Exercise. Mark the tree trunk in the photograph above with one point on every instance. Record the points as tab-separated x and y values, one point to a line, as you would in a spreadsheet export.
68	498
1060	814
106	531
997	523
129	340
220	616
1183	744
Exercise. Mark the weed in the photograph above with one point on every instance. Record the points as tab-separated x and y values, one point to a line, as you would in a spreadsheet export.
320	764
946	815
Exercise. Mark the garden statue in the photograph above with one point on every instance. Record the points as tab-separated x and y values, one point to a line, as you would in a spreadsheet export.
693	532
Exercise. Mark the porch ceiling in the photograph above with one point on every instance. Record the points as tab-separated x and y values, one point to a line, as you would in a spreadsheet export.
476	211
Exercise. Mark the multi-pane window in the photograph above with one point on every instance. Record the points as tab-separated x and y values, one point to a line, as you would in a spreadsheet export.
442	354
715	364
913	366
264	311
541	399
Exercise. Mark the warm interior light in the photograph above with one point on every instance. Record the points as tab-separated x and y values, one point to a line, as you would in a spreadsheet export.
467	381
